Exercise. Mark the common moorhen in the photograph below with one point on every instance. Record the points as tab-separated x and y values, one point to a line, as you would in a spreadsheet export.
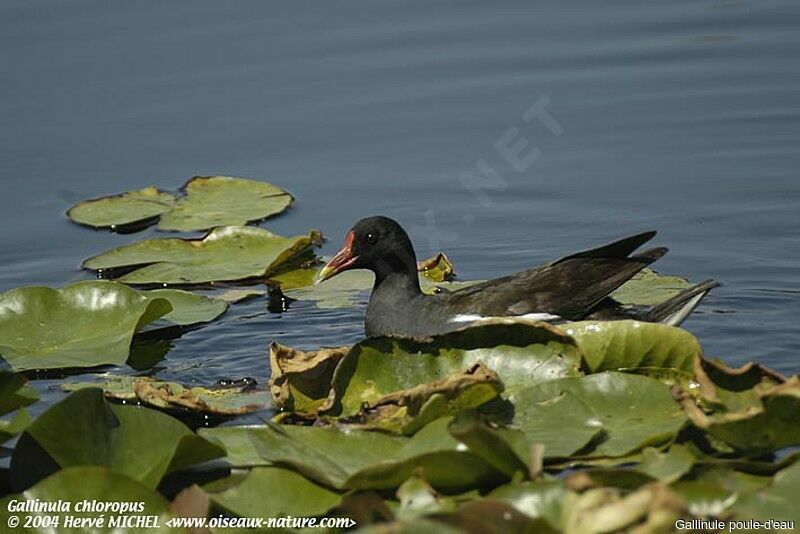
572	288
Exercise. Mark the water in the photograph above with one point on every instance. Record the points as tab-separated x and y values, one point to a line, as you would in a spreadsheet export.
681	116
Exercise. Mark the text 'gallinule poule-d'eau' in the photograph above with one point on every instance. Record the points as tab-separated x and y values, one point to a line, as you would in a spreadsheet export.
572	288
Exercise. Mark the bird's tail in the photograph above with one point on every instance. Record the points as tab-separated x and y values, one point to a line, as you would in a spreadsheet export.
675	310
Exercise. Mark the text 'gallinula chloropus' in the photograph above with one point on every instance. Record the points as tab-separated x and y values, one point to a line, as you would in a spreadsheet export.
572	288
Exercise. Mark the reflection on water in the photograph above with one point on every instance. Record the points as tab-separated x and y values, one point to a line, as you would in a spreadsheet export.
681	116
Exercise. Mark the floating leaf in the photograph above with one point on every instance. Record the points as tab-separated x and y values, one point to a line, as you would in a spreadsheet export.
540	499
301	380
81	325
188	308
620	345
274	492
358	459
648	288
436	268
632	411
417	498
237	398
224	201
229	253
84	429
15	394
208	201
90	484
522	353
406	411
778	502
121	210
768	423
666	466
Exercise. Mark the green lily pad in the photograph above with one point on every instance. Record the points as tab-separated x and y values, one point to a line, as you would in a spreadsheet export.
358	459
121	210
229	253
94	485
275	492
81	325
632	411
15	394
417	498
84	429
537	499
666	466
648	288
620	345
521	353
223	400
778	502
188	308
224	201
208	202
768	423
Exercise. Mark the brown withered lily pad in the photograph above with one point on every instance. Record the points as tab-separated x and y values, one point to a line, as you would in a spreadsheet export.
301	380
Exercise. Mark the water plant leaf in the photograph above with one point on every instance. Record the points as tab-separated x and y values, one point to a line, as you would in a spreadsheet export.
188	308
212	201
767	423
207	202
229	253
91	484
15	394
301	380
633	412
408	410
667	466
275	492
648	288
417	498
124	209
520	352
237	398
85	324
84	429
358	459
777	502
436	268
619	345
537	499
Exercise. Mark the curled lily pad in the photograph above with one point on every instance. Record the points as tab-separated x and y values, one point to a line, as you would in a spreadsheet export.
15	394
301	380
207	202
91	484
274	492
521	353
121	210
358	459
622	345
81	325
224	201
237	398
408	410
632	411
84	429
229	253
436	268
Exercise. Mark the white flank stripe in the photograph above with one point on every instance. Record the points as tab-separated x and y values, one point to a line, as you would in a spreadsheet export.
474	318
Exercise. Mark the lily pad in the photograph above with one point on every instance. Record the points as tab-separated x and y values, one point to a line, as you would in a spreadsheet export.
275	492
301	380
230	253
778	502
436	268
91	484
15	394
537	499
84	429
224	400
622	345
81	325
188	308
208	202
224	201
358	459
632	411
124	209
648	288
521	353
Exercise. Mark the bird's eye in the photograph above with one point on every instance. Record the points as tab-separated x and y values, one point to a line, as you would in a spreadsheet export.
371	239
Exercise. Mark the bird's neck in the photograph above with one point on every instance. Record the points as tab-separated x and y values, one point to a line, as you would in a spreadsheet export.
397	274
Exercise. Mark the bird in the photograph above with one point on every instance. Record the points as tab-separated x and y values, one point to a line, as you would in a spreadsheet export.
575	287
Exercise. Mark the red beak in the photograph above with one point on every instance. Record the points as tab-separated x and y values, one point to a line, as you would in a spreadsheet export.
343	260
